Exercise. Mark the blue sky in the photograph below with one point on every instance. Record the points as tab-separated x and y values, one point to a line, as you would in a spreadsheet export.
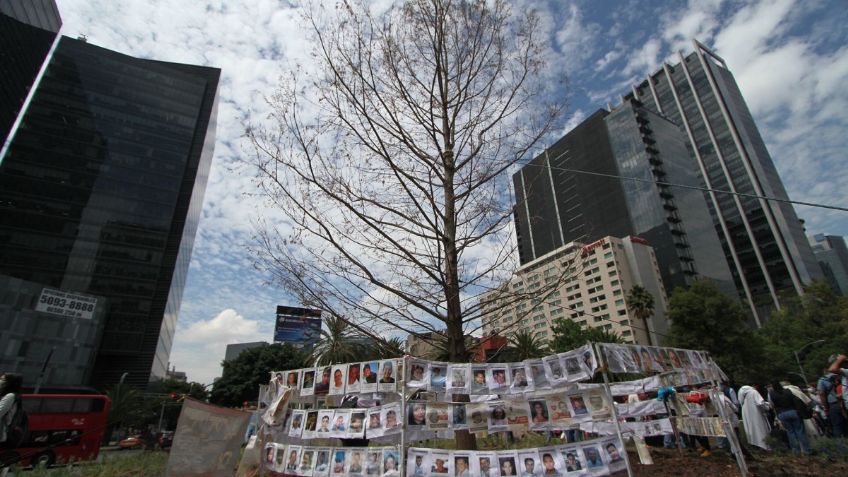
789	57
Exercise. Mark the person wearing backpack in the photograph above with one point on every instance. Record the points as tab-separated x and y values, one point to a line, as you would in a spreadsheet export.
826	387
10	409
786	406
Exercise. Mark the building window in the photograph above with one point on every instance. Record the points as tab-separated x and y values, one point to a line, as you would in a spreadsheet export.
622	312
619	302
613	273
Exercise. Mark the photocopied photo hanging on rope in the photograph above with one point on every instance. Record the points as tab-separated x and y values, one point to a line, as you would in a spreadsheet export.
438	377
418	373
323	462
325	423
339	379
308	383
478	379
459	378
391	416
387	381
368	382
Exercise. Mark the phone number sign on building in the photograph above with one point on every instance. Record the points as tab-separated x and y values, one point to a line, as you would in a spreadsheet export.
62	303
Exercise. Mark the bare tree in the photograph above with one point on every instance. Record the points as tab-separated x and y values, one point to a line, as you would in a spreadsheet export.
391	162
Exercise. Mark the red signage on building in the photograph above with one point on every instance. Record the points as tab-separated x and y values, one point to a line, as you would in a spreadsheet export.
592	246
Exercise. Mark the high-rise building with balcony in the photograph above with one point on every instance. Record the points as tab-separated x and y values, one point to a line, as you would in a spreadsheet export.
584	283
100	195
763	240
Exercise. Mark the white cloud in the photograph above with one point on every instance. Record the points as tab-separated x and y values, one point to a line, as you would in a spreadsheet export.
644	60
200	346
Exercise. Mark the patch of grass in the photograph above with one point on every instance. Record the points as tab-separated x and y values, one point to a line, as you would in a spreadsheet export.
138	464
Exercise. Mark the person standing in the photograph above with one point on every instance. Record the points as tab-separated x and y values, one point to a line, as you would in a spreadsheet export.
10	405
827	394
753	417
785	405
810	424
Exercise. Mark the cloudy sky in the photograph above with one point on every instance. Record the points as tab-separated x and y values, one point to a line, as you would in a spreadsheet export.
789	57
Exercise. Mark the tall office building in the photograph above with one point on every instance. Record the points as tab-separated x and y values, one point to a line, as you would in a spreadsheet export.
100	197
832	254
28	30
556	204
763	240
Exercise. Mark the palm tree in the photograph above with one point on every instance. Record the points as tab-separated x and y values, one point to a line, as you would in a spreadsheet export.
339	343
641	304
389	348
526	344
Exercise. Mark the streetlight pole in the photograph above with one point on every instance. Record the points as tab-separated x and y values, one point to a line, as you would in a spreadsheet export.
800	353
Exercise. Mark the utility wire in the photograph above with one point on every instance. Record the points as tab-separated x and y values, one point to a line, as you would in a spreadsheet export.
684	186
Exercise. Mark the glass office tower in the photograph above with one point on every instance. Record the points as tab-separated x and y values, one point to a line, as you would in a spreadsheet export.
763	240
28	29
572	193
100	196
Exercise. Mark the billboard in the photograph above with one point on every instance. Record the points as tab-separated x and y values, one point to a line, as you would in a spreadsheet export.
63	303
299	326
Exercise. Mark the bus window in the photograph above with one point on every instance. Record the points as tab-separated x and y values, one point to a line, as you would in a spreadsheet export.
57	406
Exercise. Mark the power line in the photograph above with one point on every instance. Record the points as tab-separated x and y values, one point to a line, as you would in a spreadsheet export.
684	186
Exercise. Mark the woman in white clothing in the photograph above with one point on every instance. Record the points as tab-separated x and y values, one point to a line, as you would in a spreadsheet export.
754	419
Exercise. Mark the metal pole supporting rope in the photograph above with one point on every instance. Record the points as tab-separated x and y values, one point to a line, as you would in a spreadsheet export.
735	445
604	370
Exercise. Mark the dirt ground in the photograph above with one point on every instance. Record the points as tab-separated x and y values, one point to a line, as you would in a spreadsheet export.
722	464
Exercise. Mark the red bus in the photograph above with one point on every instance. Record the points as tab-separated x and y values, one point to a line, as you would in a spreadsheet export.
63	427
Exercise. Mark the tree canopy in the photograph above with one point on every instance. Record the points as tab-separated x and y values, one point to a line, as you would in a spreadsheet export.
568	335
242	376
820	315
703	318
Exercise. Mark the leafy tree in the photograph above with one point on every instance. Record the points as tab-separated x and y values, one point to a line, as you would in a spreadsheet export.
525	344
388	348
641	304
339	343
568	335
242	376
817	315
703	318
126	409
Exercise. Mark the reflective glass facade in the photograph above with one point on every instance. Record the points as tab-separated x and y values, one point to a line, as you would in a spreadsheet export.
557	205
763	241
100	193
27	31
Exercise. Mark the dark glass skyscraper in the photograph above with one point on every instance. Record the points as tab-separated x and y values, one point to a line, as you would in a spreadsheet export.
556	204
100	196
763	240
28	29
